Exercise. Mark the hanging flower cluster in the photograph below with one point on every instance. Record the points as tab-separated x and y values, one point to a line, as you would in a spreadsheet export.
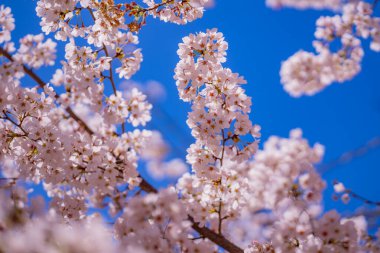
306	73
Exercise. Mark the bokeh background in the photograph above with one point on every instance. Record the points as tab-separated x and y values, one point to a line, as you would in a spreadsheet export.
344	117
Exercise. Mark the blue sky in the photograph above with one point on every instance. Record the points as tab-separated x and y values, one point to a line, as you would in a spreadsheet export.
341	117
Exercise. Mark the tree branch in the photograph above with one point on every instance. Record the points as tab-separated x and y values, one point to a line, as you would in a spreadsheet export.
42	84
214	237
374	4
361	198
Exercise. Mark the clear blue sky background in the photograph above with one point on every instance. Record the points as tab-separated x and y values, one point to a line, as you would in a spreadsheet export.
342	117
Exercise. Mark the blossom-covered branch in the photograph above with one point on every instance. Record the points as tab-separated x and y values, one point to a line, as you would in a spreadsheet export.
81	139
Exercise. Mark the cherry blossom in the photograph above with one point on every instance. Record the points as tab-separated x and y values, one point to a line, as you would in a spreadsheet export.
35	53
218	101
177	11
306	73
6	24
44	232
145	227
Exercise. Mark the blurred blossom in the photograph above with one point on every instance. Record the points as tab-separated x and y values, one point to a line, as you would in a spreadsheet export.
156	148
210	4
173	168
153	89
155	152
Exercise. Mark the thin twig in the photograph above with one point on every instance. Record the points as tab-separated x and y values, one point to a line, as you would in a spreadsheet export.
110	70
220	217
374	4
347	157
361	198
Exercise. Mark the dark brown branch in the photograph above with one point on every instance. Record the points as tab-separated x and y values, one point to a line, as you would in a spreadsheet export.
361	198
214	237
204	231
147	187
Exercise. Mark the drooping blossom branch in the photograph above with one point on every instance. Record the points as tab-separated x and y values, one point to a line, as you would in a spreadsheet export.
306	73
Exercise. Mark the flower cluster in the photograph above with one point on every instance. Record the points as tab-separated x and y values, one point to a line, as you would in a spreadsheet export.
157	223
83	73
44	232
306	73
225	137
47	235
216	202
340	190
64	18
177	11
7	24
219	117
36	53
300	231
134	107
40	142
130	65
281	179
154	153
283	171
285	205
48	142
